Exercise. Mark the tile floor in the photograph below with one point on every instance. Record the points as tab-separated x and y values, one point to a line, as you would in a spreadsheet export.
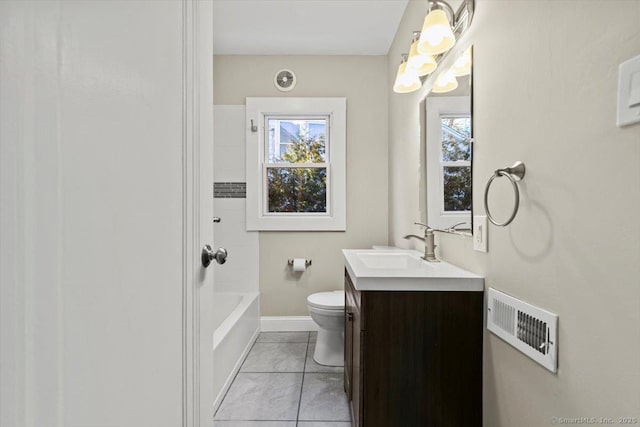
280	385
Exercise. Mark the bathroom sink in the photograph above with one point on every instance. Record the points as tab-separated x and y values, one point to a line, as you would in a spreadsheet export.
404	270
389	260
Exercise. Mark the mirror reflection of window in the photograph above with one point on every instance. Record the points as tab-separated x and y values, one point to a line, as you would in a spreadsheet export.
455	162
447	136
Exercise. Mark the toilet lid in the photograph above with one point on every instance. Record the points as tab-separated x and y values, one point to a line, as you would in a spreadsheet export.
327	300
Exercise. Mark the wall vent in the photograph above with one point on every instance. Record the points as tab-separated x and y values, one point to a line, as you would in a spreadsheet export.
530	329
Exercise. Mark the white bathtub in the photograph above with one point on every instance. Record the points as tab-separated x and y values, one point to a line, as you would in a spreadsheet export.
237	325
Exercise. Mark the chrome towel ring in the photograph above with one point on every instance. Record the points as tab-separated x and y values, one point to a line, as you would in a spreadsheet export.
515	173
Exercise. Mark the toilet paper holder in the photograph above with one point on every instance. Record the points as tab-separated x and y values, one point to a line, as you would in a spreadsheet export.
307	262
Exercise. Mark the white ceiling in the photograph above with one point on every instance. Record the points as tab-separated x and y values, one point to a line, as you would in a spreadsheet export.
305	27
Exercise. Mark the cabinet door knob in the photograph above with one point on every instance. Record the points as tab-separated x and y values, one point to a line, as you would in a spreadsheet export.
349	317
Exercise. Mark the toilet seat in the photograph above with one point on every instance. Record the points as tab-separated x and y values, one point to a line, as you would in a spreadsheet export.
327	300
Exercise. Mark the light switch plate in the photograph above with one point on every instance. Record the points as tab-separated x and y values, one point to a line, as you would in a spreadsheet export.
480	230
629	92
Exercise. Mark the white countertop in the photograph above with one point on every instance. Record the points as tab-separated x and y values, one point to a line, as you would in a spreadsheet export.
396	269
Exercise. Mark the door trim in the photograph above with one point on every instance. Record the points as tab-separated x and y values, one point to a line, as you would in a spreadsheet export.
197	41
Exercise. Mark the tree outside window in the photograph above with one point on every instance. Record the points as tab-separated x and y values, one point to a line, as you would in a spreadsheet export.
456	163
296	169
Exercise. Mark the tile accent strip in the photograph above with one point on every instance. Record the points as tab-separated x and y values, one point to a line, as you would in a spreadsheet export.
230	190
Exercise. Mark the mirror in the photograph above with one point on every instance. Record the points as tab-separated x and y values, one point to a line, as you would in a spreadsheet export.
447	134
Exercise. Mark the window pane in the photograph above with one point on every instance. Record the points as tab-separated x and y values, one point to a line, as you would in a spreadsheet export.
288	130
297	141
297	189
457	188
456	138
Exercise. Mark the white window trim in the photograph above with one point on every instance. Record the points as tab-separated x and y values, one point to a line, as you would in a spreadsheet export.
438	106
257	109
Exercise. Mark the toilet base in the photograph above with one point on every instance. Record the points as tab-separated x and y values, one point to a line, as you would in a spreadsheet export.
329	348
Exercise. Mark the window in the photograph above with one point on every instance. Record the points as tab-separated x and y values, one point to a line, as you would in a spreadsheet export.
296	164
448	151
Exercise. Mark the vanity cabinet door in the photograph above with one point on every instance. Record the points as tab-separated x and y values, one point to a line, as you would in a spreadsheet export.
353	344
357	377
348	347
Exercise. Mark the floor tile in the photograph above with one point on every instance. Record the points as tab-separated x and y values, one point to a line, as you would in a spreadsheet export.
313	336
324	424
323	398
312	366
283	337
275	357
258	424
265	396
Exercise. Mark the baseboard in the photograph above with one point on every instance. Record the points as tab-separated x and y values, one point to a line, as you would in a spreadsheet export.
287	324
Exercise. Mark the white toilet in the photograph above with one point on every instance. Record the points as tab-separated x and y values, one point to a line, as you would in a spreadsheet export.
327	310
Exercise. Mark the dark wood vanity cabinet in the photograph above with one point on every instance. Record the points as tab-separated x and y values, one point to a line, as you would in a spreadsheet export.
413	358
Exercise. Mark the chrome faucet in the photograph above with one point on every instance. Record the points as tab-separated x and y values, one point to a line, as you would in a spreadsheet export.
453	229
429	242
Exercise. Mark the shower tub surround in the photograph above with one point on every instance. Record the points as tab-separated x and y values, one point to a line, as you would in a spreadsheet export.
237	323
236	295
230	190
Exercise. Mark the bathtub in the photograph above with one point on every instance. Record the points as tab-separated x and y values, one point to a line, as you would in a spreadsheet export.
237	325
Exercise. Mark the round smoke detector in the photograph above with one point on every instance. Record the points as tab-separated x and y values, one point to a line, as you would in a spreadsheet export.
285	80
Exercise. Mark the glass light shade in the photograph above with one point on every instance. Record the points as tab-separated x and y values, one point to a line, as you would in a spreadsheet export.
462	66
407	80
421	63
436	36
446	82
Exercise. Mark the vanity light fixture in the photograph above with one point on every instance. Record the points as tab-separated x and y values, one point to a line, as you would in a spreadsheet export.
462	66
437	35
423	64
446	82
442	27
407	79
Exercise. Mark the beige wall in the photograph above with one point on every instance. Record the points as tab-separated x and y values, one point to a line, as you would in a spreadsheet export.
363	81
545	77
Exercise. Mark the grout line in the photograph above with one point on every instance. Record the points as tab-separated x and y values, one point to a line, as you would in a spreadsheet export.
306	351
304	371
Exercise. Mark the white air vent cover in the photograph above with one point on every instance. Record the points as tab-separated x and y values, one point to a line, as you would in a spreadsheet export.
285	80
530	329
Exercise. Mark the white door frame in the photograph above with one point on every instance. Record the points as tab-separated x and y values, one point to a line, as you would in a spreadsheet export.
197	147
197	110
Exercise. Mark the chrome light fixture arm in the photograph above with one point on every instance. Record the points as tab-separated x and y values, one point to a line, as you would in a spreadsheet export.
443	5
461	18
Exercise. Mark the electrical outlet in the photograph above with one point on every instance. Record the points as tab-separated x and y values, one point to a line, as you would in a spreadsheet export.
480	230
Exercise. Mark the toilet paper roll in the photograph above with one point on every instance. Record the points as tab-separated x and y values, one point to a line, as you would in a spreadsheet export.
299	264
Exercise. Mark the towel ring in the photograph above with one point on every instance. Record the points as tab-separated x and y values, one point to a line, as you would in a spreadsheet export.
515	173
